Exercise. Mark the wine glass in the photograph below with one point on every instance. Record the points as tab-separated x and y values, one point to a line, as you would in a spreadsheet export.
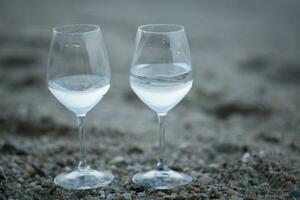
78	76
161	75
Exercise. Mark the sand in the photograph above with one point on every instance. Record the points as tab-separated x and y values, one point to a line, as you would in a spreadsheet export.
237	132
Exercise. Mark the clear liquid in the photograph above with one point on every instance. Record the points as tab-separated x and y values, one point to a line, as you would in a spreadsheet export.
79	93
161	86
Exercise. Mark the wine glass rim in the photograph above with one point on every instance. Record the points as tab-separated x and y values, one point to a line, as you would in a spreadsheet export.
174	28
94	28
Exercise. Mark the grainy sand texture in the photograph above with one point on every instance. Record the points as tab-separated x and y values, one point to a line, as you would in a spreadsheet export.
237	132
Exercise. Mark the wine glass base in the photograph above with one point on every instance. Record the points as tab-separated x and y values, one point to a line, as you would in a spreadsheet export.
84	179
161	179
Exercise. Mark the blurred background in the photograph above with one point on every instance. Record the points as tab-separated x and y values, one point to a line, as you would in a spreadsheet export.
246	65
243	52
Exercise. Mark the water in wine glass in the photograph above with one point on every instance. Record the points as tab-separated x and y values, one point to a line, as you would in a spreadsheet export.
79	93
161	86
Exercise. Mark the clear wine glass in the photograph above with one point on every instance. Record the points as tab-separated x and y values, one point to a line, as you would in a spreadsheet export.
78	76
161	75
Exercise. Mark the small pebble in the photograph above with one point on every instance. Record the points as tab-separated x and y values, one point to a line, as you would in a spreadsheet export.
21	180
30	170
127	196
141	194
118	159
173	195
230	192
110	197
295	194
205	179
37	187
262	154
236	198
32	184
246	157
214	166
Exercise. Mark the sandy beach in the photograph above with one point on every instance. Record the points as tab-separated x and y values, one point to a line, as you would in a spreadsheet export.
237	132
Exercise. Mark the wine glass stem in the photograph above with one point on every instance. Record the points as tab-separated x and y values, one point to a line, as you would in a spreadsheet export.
82	165
162	125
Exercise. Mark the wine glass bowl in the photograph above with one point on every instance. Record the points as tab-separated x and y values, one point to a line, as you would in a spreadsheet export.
161	75
78	67
78	76
161	86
